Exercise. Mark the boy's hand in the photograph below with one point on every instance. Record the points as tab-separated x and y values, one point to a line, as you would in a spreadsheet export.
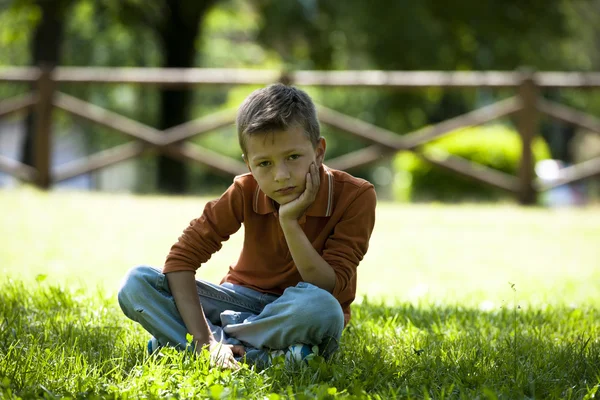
222	355
293	210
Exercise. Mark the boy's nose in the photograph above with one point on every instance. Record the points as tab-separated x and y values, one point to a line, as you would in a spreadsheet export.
282	173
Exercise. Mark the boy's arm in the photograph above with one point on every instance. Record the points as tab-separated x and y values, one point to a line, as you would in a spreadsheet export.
199	241
312	267
204	235
335	268
183	287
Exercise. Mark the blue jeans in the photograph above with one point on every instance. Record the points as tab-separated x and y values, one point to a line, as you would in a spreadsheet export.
303	314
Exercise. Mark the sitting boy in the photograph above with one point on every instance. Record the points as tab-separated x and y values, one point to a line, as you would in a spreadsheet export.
306	227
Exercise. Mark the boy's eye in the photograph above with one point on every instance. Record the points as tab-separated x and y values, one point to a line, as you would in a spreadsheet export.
264	164
294	156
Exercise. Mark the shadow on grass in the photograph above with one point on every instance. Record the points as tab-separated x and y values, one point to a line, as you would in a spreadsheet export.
549	353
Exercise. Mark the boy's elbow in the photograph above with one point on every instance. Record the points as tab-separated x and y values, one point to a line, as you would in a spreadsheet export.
324	278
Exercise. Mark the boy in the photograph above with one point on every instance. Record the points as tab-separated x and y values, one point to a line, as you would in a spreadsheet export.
306	229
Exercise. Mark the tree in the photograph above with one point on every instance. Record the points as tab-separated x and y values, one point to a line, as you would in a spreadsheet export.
318	34
179	32
45	48
431	35
177	26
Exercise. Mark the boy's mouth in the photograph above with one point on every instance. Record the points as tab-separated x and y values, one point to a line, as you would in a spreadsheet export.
285	190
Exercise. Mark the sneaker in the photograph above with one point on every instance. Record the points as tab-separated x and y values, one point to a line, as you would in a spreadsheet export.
152	345
299	352
294	354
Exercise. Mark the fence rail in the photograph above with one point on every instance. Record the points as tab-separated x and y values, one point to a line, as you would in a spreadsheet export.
526	105
393	79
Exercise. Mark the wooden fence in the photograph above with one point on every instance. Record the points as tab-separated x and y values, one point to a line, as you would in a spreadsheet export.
527	105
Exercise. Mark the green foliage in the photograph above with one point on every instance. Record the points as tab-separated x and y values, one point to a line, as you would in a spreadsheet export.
496	146
233	45
387	35
16	24
322	34
496	34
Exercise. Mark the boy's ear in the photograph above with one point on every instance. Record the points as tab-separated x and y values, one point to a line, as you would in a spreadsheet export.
246	162
320	151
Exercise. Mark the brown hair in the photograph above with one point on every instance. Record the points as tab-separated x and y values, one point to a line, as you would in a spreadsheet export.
277	107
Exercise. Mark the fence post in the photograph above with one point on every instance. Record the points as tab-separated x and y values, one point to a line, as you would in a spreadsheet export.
42	143
286	77
527	126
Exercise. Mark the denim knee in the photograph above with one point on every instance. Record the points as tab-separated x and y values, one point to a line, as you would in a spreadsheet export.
135	284
321	308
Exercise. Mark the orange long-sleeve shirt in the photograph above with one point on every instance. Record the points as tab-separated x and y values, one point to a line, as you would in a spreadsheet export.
338	224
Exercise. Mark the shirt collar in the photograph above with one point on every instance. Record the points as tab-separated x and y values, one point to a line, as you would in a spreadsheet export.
321	207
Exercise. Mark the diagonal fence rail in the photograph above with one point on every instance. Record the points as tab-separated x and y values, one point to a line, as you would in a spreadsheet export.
526	105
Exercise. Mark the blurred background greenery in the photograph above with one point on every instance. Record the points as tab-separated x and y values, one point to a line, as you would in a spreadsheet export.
562	35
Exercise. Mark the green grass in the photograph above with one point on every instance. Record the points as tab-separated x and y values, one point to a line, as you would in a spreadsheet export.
436	315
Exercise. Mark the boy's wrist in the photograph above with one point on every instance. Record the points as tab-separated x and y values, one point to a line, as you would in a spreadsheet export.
287	222
285	217
201	341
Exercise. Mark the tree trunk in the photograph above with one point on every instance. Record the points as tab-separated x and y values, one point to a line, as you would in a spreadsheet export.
179	33
45	50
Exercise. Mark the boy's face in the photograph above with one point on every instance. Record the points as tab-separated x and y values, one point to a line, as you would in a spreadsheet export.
279	162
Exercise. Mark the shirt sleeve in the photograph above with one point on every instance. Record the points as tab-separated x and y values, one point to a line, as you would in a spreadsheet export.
204	235
349	242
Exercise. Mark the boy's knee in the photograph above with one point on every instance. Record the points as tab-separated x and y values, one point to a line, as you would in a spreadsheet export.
134	284
322	308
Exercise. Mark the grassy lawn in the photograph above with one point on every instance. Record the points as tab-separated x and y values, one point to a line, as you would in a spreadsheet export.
470	301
